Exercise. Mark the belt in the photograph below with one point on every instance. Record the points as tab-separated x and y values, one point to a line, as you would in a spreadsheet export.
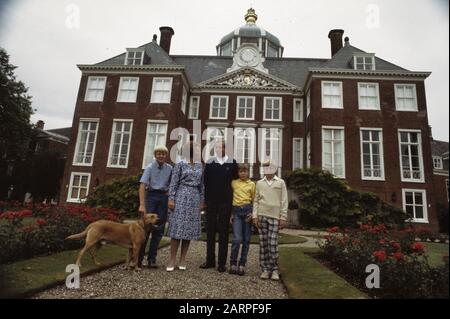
159	191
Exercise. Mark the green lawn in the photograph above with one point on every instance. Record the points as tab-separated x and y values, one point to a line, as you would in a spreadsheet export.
26	277
305	278
435	252
27	221
282	239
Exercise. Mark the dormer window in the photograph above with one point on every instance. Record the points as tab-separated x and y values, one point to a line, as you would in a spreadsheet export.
134	57
364	62
226	49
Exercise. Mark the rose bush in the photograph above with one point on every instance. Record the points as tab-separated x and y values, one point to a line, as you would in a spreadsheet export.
404	268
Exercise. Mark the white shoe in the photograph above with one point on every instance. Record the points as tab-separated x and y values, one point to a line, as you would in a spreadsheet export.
264	275
182	268
275	275
170	269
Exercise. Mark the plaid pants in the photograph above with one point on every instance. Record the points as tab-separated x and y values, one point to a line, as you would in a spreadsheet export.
268	244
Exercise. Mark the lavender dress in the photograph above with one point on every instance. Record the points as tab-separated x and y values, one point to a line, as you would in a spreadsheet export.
187	190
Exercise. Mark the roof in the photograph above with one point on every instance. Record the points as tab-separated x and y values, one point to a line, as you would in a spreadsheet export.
439	148
64	131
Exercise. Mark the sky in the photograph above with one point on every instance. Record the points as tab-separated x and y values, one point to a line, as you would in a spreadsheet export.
46	39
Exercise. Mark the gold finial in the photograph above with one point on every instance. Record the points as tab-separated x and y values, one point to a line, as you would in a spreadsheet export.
251	16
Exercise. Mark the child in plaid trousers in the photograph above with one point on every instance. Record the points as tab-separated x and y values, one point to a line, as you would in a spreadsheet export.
269	216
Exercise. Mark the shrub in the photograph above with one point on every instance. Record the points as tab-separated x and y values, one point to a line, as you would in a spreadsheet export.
325	201
442	212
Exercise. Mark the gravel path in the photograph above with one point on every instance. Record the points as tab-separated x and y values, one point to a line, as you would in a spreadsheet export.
157	283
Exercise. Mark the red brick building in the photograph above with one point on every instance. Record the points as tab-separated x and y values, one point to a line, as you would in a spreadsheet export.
355	114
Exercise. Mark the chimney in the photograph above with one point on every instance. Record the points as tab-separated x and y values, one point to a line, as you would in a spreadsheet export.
165	38
335	37
40	124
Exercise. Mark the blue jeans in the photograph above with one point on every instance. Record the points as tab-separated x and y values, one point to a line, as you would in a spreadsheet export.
155	203
242	231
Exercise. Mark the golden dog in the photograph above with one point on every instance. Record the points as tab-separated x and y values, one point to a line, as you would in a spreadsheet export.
130	236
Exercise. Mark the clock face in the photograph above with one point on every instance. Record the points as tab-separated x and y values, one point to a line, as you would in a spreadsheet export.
248	56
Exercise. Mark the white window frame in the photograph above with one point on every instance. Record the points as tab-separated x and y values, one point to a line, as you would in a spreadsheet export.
69	192
380	142
364	56
120	148
272	144
191	115
294	139
266	98
146	138
218	113
253	107
210	152
377	89
122	79
341	100
251	149
420	152
308	103
184	100
438	160
90	79
300	111
77	145
332	150
153	99
415	107
308	150
134	51
424	201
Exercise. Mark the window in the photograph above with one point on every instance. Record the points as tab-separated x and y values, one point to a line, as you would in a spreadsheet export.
411	156
219	107
332	95
78	187
272	51
405	97
156	135
244	147
184	101
134	57
368	96
272	109
86	139
95	89
372	164
271	147
437	162
245	108
161	90
333	150
128	88
194	108
308	150
226	49
415	204
120	143
308	104
214	134
364	62
297	159
297	110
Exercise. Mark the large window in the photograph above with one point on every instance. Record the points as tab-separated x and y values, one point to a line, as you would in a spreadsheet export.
372	164
184	101
226	49
405	97
245	108
134	57
244	146
161	90
308	150
78	187
364	62
86	139
219	107
308	103
95	89
368	96
333	158
194	107
120	143
271	146
214	134
297	110
332	95
156	135
297	158
415	203
272	109
128	89
411	162
437	162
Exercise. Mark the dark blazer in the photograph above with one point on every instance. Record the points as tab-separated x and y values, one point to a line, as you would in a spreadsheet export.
217	178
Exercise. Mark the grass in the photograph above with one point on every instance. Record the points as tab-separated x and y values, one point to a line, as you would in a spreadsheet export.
305	278
26	277
27	221
435	252
282	239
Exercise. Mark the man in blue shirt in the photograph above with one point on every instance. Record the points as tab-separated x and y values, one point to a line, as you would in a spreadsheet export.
153	198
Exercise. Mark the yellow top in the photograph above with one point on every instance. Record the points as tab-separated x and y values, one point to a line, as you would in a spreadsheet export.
243	191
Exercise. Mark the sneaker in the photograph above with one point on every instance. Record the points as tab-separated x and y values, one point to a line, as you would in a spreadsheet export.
275	275
144	262
152	264
233	270
264	275
241	271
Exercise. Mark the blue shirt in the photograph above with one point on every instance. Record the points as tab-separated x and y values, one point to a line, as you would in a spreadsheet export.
157	176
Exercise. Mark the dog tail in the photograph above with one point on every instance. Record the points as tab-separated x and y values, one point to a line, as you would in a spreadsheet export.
79	235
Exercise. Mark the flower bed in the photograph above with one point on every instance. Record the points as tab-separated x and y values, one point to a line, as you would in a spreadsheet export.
404	268
39	229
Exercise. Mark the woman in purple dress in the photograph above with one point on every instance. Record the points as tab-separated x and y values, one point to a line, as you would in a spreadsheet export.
186	200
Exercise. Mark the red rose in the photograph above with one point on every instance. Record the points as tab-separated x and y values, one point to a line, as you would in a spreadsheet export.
41	222
396	245
334	229
417	247
382	241
399	256
380	255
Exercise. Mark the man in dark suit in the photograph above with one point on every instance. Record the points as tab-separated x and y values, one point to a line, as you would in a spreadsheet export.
219	172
